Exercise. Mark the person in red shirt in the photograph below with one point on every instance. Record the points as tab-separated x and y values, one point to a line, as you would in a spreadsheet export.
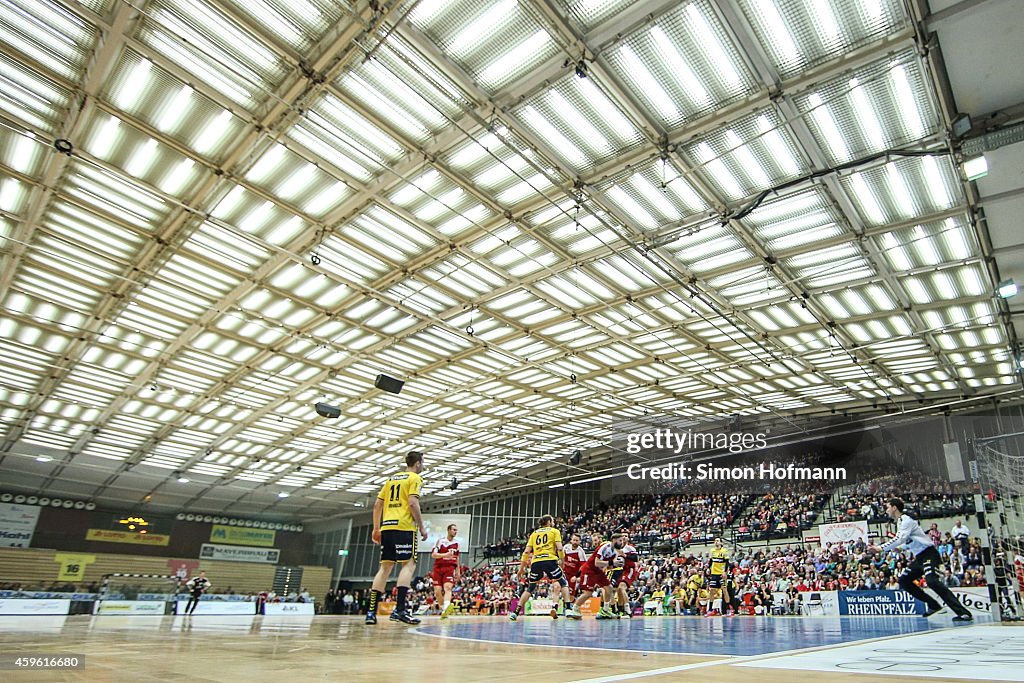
606	556
446	569
575	557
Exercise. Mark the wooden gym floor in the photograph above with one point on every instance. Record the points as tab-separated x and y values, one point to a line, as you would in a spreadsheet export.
536	649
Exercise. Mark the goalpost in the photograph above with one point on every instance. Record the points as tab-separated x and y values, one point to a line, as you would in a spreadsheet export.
997	465
126	593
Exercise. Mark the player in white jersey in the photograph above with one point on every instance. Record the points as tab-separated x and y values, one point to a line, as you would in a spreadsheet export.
595	575
926	563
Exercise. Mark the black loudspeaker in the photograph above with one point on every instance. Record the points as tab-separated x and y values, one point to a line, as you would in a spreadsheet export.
326	410
388	384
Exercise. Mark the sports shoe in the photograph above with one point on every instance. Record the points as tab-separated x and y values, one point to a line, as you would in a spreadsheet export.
626	615
964	617
605	614
371	619
932	611
554	612
448	610
573	614
513	616
404	617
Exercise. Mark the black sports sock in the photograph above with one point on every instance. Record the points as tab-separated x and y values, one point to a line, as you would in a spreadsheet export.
400	605
374	599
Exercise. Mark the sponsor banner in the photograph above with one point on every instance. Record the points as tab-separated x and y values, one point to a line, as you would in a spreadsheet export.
17	524
129	607
72	565
215	596
238	535
974	598
48	595
873	603
540	606
219	607
287	609
114	536
843	532
829	603
237	553
32	607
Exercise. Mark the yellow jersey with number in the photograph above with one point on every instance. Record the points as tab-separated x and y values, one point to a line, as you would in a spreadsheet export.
719	560
543	541
395	493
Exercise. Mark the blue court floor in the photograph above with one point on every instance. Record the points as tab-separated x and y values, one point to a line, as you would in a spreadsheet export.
726	636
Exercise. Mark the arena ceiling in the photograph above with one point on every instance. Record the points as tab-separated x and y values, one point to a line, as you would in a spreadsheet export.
544	215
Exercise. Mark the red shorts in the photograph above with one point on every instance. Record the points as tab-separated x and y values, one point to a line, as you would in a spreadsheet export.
591	578
627	576
443	575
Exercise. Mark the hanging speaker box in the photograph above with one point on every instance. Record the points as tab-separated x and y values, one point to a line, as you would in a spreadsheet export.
388	384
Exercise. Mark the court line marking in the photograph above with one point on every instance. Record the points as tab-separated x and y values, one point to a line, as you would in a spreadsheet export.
417	632
755	658
724	658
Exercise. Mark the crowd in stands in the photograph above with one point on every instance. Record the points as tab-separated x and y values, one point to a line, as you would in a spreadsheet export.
770	578
932	498
780	514
763	581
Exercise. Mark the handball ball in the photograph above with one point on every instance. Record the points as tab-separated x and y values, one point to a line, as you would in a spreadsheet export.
619	561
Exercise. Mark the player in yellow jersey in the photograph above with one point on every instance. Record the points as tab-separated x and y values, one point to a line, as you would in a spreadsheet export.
693	589
396	519
716	580
544	553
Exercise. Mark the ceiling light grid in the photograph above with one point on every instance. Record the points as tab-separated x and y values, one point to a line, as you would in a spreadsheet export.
244	211
578	123
408	92
151	94
38	102
928	244
22	152
577	232
299	24
798	34
506	168
495	43
903	189
882	106
467	278
711	246
343	139
682	67
796	220
654	196
434	199
753	154
55	39
830	266
301	183
214	49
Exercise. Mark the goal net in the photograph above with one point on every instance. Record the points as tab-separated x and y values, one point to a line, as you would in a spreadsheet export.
1000	474
124	593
